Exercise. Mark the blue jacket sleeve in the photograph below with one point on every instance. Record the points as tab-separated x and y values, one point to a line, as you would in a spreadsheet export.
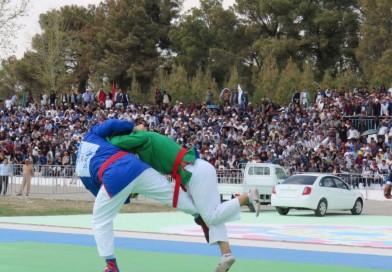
112	127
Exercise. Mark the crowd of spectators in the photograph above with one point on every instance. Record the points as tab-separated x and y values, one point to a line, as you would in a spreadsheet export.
228	133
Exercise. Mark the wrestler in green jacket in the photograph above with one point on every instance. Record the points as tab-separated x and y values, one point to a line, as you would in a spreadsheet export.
155	149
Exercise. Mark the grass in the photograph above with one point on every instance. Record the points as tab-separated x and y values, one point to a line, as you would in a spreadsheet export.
20	206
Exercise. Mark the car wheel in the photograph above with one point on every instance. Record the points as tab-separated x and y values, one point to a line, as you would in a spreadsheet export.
282	211
358	206
252	208
321	208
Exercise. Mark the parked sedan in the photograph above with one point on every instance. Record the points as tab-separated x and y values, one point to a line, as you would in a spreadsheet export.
318	192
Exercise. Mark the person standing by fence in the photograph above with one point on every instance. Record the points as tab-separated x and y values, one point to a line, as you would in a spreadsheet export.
28	172
4	173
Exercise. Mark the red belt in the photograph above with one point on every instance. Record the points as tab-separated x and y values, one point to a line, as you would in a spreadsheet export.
175	175
109	161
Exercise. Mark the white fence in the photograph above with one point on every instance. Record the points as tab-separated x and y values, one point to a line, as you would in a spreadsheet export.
58	181
55	181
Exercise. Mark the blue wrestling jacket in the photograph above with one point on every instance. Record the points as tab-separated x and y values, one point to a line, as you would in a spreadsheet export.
94	150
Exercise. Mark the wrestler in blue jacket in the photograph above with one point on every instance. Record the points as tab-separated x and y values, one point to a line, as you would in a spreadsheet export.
94	150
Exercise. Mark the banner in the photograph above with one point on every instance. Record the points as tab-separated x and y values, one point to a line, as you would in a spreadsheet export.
24	98
239	94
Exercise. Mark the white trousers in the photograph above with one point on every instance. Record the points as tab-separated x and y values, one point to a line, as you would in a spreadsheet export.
203	187
151	184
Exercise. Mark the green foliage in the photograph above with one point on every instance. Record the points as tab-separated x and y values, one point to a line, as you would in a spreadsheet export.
177	85
346	79
328	81
158	82
199	85
135	94
270	47
383	70
232	84
376	35
266	79
289	80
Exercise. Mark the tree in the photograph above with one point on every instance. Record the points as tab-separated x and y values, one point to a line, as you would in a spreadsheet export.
266	79
177	85
383	70
376	36
7	79
131	35
10	11
57	55
289	80
135	93
328	81
269	24
50	47
199	85
324	31
210	37
234	78
346	79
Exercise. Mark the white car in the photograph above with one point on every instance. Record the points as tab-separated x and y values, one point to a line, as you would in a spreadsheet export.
318	192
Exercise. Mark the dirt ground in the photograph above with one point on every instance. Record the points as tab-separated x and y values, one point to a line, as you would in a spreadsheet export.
19	206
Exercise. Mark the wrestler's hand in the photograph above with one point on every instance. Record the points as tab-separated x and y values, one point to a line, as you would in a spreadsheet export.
140	127
387	191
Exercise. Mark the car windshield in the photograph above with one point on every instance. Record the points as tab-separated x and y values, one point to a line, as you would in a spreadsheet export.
301	180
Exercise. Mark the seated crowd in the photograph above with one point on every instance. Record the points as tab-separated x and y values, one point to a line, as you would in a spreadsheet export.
227	136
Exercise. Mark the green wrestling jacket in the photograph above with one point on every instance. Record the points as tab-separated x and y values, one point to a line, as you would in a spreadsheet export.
157	150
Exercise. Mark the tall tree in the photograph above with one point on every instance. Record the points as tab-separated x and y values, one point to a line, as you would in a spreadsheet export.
132	34
329	33
325	31
177	85
200	83
289	80
265	80
383	70
269	24
328	81
50	46
376	36
59	49
10	11
346	79
210	37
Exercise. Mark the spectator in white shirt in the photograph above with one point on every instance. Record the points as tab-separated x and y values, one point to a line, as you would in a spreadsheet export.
384	108
108	103
383	167
352	133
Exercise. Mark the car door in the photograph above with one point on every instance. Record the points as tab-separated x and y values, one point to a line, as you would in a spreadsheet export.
328	191
344	195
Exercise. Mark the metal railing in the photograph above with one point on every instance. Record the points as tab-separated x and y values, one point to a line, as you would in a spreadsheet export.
364	181
230	176
56	181
49	181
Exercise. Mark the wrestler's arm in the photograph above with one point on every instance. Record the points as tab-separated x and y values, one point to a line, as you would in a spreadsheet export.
136	139
113	127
